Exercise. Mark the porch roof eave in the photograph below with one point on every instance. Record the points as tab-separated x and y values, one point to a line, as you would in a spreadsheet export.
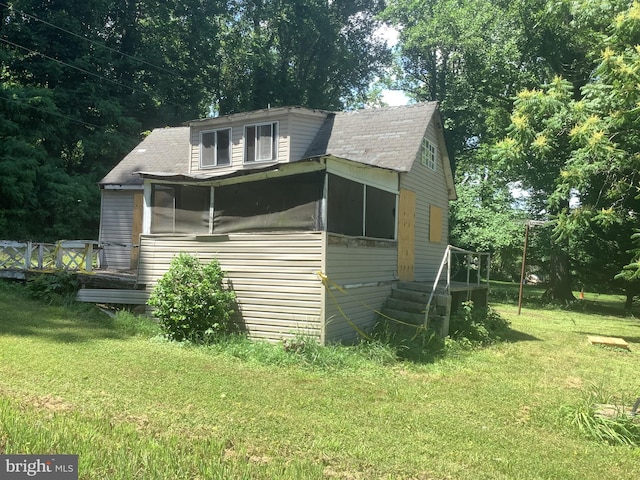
300	166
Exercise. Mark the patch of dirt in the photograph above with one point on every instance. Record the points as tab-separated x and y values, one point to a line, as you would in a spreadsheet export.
231	453
50	403
574	382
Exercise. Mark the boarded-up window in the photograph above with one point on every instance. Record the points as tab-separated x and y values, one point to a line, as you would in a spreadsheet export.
435	224
180	209
345	206
284	203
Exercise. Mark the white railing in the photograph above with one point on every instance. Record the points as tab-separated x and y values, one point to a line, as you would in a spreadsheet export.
472	261
62	255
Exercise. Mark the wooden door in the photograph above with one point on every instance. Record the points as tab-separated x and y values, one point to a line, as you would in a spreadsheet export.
406	235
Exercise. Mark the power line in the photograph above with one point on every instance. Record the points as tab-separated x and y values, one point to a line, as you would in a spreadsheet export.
16	45
61	115
93	42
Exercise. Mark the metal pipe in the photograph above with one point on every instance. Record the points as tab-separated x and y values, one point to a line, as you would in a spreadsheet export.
524	258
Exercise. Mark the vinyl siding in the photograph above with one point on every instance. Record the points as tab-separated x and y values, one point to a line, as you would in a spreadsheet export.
273	275
356	268
296	131
116	224
303	129
431	189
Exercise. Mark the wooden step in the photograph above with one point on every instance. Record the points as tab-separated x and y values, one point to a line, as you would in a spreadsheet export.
406	306
408	317
409	295
112	296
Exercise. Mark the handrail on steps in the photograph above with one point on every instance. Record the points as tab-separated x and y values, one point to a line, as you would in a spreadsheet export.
446	260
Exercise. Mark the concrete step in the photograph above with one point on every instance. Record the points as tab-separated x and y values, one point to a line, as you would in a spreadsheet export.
406	306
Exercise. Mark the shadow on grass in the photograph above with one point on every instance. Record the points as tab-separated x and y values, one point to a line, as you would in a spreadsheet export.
594	303
72	329
23	316
513	336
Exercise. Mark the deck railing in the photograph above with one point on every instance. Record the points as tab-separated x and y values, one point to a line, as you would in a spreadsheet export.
62	255
468	262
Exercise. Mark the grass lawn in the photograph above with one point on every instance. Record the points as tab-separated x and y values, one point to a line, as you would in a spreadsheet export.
134	406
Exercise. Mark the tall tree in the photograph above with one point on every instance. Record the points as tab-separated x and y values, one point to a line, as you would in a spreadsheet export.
585	150
80	80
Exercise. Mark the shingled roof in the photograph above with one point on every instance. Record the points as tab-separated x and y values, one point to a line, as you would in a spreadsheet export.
387	137
163	150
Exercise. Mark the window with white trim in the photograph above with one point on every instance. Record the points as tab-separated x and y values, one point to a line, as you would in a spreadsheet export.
261	142
215	148
429	154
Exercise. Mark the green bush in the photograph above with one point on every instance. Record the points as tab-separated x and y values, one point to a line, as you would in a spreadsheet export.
191	301
471	327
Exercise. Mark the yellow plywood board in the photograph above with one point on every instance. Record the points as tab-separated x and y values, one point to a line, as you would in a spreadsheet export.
607	341
406	235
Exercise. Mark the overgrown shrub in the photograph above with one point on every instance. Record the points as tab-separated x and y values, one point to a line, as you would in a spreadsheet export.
476	327
58	287
191	302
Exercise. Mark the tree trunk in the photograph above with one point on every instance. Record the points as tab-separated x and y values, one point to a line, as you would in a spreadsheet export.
559	289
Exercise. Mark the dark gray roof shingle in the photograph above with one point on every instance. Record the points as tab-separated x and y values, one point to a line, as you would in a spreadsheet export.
387	137
164	150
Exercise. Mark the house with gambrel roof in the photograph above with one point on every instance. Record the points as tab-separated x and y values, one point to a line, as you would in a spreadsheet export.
314	216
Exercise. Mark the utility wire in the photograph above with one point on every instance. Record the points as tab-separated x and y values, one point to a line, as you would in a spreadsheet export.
61	115
93	42
15	45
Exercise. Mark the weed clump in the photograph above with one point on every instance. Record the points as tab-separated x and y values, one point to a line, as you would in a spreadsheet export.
600	417
58	288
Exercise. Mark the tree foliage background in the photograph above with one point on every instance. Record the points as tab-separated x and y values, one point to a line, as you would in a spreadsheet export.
79	82
538	96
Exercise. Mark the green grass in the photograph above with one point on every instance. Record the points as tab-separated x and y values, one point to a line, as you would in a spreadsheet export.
133	405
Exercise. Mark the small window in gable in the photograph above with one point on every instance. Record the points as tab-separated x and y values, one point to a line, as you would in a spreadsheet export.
261	142
215	148
429	154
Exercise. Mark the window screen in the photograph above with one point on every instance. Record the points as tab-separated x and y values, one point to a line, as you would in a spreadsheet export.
380	213
284	203
180	209
345	206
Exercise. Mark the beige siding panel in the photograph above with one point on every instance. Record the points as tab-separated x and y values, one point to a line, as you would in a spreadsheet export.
303	130
274	276
116	225
237	144
367	273
431	189
358	304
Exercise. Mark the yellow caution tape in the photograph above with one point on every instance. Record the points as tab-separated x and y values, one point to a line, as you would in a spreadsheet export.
330	284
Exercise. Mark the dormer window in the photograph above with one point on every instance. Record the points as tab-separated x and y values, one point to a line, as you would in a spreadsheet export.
261	142
215	148
429	154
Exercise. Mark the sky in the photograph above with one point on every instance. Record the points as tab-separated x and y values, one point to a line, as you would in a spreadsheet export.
392	97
